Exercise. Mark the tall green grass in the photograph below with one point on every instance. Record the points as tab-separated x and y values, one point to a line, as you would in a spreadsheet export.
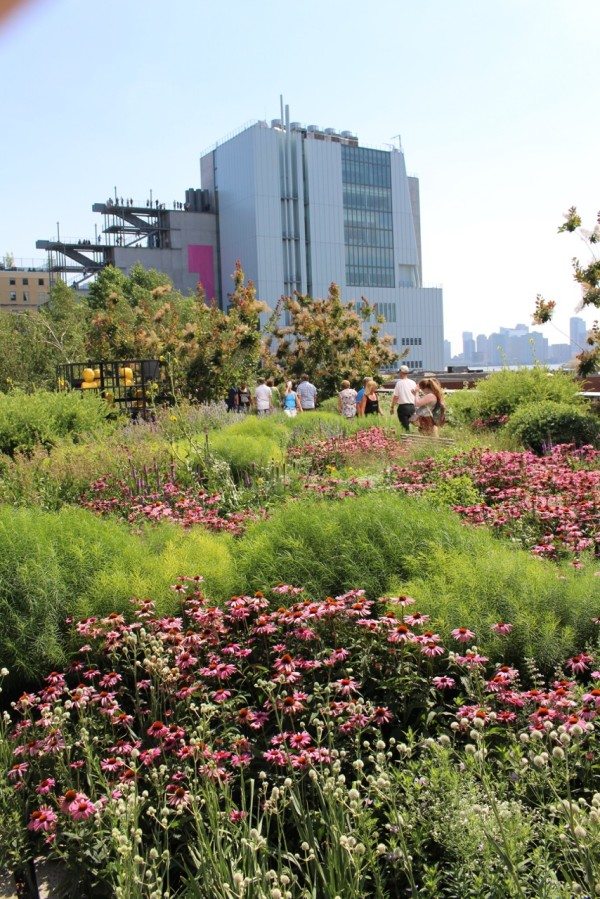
73	563
386	543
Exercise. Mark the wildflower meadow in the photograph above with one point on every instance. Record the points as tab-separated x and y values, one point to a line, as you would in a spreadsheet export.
306	658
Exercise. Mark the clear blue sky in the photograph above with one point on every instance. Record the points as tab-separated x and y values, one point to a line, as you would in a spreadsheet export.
496	103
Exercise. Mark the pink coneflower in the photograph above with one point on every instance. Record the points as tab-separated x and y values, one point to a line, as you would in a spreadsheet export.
264	625
44	818
399	600
400	634
157	729
275	756
234	649
81	808
381	715
245	716
110	680
471	659
17	771
285	665
346	686
220	695
118	717
149	756
506	717
416	618
45	786
240	759
427	637
592	697
259	719
300	740
443	682
463	634
579	662
111	764
294	703
502	628
178	796
237	815
432	649
185	660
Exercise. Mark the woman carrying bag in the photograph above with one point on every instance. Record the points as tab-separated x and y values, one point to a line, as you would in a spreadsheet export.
430	408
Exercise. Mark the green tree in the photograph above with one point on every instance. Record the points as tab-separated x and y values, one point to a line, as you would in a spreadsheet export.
224	349
33	343
140	315
325	339
588	276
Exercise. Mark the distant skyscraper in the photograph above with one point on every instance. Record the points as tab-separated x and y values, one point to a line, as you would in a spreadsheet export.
482	349
577	334
468	346
447	352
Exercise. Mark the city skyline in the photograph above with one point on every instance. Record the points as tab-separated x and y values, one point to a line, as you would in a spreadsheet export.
520	344
489	103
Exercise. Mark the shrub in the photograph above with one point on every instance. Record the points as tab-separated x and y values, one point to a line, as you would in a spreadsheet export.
503	392
245	454
28	419
538	426
49	479
383	543
71	562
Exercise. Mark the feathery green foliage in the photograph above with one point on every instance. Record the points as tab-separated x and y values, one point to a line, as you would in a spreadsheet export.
72	563
43	417
385	543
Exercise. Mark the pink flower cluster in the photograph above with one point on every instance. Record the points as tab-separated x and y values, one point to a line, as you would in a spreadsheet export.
280	687
170	502
550	503
336	451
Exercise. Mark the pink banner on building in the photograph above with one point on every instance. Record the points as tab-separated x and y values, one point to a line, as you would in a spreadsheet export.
200	262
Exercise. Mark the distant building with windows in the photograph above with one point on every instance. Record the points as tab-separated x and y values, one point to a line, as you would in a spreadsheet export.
303	206
577	334
300	207
23	288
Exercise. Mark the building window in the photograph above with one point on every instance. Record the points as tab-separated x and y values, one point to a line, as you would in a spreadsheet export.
12	282
25	281
13	296
40	282
25	296
368	229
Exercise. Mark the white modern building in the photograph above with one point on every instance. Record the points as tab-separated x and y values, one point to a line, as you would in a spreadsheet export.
301	207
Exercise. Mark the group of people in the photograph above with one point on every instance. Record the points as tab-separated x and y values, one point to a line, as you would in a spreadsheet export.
420	404
266	398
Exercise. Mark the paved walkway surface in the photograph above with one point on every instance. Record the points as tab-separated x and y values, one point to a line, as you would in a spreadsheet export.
48	882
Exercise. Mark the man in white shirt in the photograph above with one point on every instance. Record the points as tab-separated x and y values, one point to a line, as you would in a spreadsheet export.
263	398
307	394
404	397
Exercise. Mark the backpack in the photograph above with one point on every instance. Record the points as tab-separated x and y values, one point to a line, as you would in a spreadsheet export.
439	414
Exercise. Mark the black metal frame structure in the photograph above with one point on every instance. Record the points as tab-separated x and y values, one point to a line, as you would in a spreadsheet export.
136	395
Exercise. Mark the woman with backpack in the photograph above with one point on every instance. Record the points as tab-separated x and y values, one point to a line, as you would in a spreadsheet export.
430	411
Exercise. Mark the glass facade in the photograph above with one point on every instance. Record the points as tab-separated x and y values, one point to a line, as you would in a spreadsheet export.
368	230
